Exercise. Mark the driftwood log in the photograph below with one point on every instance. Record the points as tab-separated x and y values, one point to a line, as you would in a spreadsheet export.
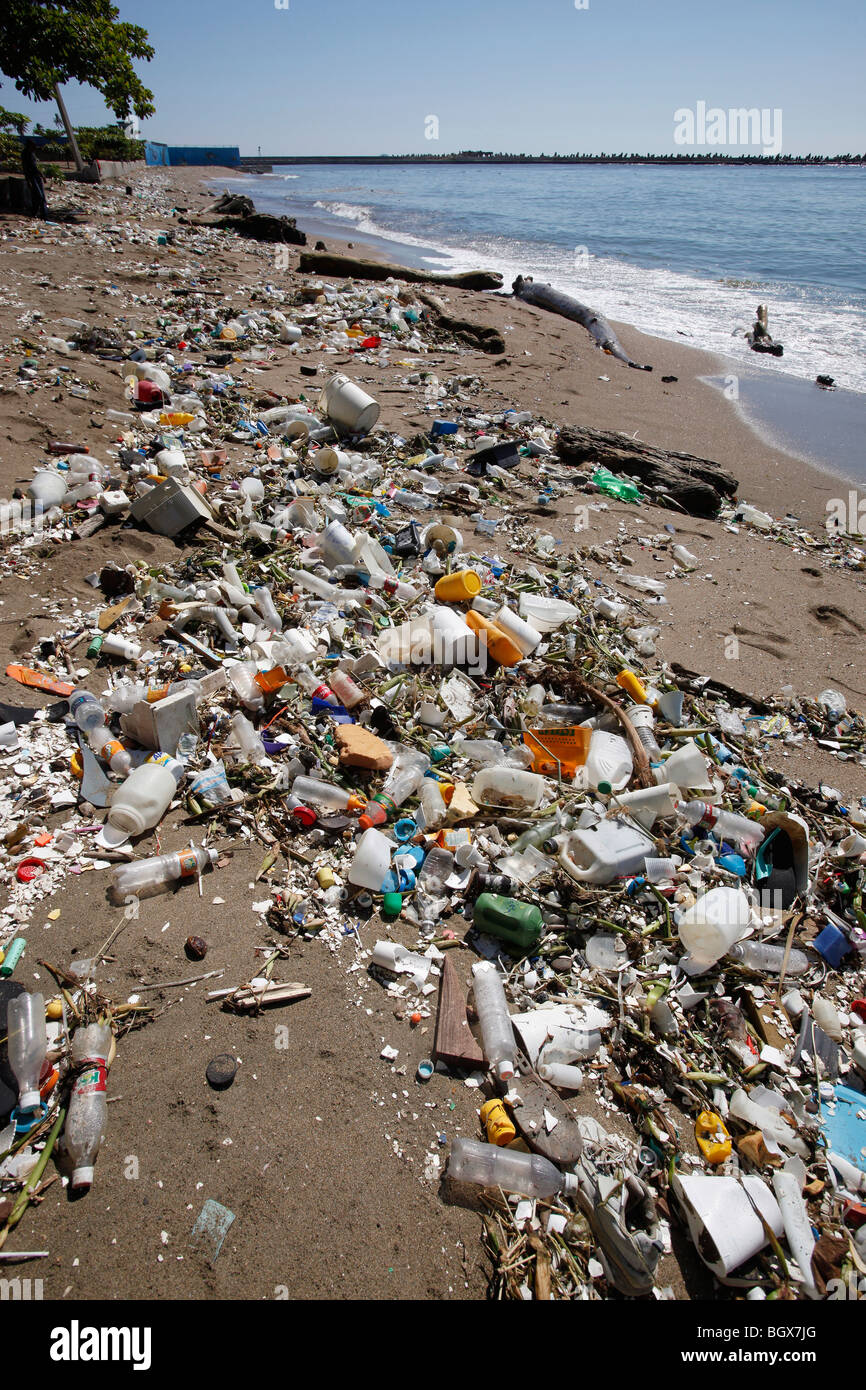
696	485
475	335
237	213
325	263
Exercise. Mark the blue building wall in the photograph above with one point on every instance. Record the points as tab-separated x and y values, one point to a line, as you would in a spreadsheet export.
226	155
155	153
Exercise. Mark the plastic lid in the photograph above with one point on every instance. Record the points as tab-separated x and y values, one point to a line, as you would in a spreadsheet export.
112	835
605	788
30	1100
29	869
83	1177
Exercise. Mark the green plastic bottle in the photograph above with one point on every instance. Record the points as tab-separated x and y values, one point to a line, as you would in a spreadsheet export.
517	923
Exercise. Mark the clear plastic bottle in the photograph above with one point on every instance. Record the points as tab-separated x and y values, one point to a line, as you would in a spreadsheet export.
404	777
435	871
325	794
348	692
432	803
90	717
264	602
643	721
248	741
497	1034
315	688
148	877
764	955
725	825
85	1122
394	588
242	678
27	1046
530	1175
143	799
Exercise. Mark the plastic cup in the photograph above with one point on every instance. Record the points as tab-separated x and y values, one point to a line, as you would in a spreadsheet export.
459	587
443	538
521	633
337	545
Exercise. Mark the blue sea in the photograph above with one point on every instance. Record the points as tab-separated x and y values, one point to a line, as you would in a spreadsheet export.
685	253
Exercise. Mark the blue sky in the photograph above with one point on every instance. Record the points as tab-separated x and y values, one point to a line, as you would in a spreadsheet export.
363	76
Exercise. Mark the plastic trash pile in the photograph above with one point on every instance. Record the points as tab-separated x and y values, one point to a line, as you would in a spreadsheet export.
474	755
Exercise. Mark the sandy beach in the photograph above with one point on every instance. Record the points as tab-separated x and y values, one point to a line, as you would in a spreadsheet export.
319	1148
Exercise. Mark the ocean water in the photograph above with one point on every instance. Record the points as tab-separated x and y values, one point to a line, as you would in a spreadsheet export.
686	254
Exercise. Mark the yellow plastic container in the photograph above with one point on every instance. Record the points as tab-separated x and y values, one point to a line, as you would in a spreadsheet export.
499	644
460	587
712	1137
494	1117
628	681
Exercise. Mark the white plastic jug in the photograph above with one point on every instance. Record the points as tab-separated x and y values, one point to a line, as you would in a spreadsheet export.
372	861
608	761
508	788
143	799
599	853
710	927
687	767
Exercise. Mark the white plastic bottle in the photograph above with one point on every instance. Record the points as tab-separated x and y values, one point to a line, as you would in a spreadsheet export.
243	681
143	799
764	955
497	1034
27	1046
85	1122
608	762
148	877
530	1175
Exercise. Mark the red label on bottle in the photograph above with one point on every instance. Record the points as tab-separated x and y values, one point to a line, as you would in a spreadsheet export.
92	1079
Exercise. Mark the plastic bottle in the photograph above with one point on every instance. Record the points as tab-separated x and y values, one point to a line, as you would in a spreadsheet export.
509	788
119	646
372	861
520	924
404	777
642	722
325	794
265	604
148	877
248	741
85	1122
725	825
684	557
609	762
432	803
242	678
530	1175
315	688
90	717
435	871
582	1043
27	1046
497	1034
763	955
347	691
394	588
143	799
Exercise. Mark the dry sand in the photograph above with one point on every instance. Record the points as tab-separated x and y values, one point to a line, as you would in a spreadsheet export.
318	1147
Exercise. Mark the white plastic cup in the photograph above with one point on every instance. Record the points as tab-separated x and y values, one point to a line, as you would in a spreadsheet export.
348	406
687	767
329	461
522	634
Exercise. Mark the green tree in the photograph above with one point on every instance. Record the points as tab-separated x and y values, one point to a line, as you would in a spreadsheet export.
44	43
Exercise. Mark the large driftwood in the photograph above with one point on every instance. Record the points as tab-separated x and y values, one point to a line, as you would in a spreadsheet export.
324	263
476	335
596	325
237	213
695	484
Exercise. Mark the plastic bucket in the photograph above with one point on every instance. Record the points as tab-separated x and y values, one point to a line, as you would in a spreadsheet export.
459	587
711	926
348	406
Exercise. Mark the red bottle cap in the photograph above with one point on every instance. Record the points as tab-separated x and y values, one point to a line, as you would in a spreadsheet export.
306	815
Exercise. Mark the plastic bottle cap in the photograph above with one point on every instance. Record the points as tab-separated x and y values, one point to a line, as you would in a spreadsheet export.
221	1071
605	788
83	1177
29	869
306	815
392	904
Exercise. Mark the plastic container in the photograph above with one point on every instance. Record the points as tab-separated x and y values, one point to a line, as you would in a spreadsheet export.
461	586
600	853
486	1165
347	406
713	924
337	545
609	763
143	799
496	1121
508	788
90	717
497	643
518	924
47	488
372	860
546	614
242	679
347	691
453	641
156	875
643	721
725	825
764	955
560	1074
404	777
687	767
27	1045
523	634
85	1122
497	1034
325	795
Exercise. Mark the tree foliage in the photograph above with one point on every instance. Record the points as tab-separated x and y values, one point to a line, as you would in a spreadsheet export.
48	42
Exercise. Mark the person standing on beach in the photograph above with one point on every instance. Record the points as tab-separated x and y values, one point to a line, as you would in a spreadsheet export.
34	180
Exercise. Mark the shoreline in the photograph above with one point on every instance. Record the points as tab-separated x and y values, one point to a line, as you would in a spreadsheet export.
786	411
